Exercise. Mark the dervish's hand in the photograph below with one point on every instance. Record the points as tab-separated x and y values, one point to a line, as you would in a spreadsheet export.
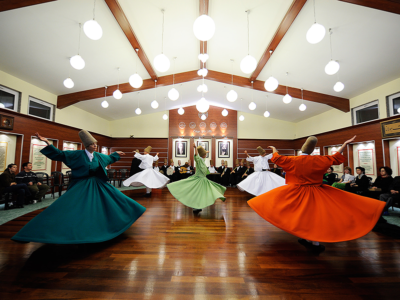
120	152
350	140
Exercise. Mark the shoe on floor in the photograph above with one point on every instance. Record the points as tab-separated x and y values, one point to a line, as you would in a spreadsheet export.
386	213
197	210
147	195
317	249
304	243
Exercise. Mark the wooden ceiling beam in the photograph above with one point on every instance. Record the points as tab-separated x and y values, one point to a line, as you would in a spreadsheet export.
14	4
392	6
123	22
287	21
66	100
203	10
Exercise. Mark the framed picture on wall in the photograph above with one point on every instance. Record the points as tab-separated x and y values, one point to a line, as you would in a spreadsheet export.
180	148
205	145
223	149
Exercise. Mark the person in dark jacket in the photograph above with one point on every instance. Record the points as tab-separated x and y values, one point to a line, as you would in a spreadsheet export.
248	171
361	182
163	169
225	172
382	183
329	177
37	189
241	171
276	170
9	185
392	196
135	166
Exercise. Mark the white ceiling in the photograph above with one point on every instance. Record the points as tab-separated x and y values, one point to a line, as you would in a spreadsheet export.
39	40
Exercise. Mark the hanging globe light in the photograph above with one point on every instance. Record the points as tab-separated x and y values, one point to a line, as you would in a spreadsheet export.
231	96
315	34
117	94
2	105
173	94
248	64
204	28
135	81
202	88
302	107
252	106
165	116
266	114
271	84
104	104
181	111
93	30
202	105
203	57
241	118
332	67
287	99
154	104
162	63
338	87
68	83
202	72
224	112
77	62
138	111
203	117
398	110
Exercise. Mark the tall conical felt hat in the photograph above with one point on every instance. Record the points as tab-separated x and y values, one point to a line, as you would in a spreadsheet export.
86	138
237	161
222	161
166	160
157	162
309	146
260	150
137	150
226	163
211	162
189	161
242	161
201	151
248	163
148	149
171	161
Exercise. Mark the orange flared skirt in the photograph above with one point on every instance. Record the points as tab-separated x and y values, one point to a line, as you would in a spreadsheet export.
318	212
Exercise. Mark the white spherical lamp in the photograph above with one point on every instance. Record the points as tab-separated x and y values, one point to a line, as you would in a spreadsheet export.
398	110
204	28
205	88
203	117
287	99
267	114
135	81
162	63
248	64
241	118
203	57
302	107
332	67
93	30
181	111
117	94
224	112
104	104
202	105
77	62
2	105
271	84
338	87
200	88
154	104
252	106
68	83
315	34
138	111
231	96
165	116
173	94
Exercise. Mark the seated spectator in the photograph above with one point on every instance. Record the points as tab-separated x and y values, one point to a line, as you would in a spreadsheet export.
391	196
382	183
346	178
360	183
9	185
276	170
329	177
37	189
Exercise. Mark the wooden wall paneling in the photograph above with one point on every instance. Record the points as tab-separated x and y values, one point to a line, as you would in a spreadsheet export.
18	152
386	153
392	6
14	4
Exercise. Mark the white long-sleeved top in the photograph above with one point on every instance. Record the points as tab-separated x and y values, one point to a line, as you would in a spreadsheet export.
147	160
260	162
212	170
156	169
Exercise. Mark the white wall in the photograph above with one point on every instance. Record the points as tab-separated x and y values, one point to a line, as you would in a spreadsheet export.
8	143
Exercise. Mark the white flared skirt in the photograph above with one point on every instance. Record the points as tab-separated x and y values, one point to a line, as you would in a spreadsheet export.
259	183
149	178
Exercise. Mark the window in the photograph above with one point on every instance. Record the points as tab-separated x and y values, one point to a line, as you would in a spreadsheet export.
9	98
365	113
41	109
393	104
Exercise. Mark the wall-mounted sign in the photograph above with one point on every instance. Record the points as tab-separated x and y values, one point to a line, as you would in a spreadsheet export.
366	160
390	128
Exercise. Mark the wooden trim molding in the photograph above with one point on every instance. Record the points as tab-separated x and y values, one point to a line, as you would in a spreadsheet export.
66	100
14	4
392	6
287	21
123	22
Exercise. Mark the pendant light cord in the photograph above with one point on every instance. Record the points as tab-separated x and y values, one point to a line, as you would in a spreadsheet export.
162	34
266	103
173	75
105	92
302	99
155	90
315	18
94	12
330	40
138	99
232	70
252	92
118	78
248	33
79	41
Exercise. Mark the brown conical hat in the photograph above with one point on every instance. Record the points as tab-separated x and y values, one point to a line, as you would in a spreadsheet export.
248	163
242	161
237	161
148	149
309	146
222	161
189	161
201	151
260	150
186	165
86	138
157	162
137	150
171	161
226	163
166	160
211	162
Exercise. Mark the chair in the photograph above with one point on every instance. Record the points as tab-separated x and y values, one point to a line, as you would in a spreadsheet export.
67	178
44	179
112	176
336	177
123	174
6	198
58	181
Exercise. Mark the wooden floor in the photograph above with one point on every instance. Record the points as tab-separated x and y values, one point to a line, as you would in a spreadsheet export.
226	252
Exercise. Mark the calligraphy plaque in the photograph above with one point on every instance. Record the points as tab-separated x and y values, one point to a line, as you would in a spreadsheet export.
390	128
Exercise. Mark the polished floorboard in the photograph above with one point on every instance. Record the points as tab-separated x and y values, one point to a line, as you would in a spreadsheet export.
225	252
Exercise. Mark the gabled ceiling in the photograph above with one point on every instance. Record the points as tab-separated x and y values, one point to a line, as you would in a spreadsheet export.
40	39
